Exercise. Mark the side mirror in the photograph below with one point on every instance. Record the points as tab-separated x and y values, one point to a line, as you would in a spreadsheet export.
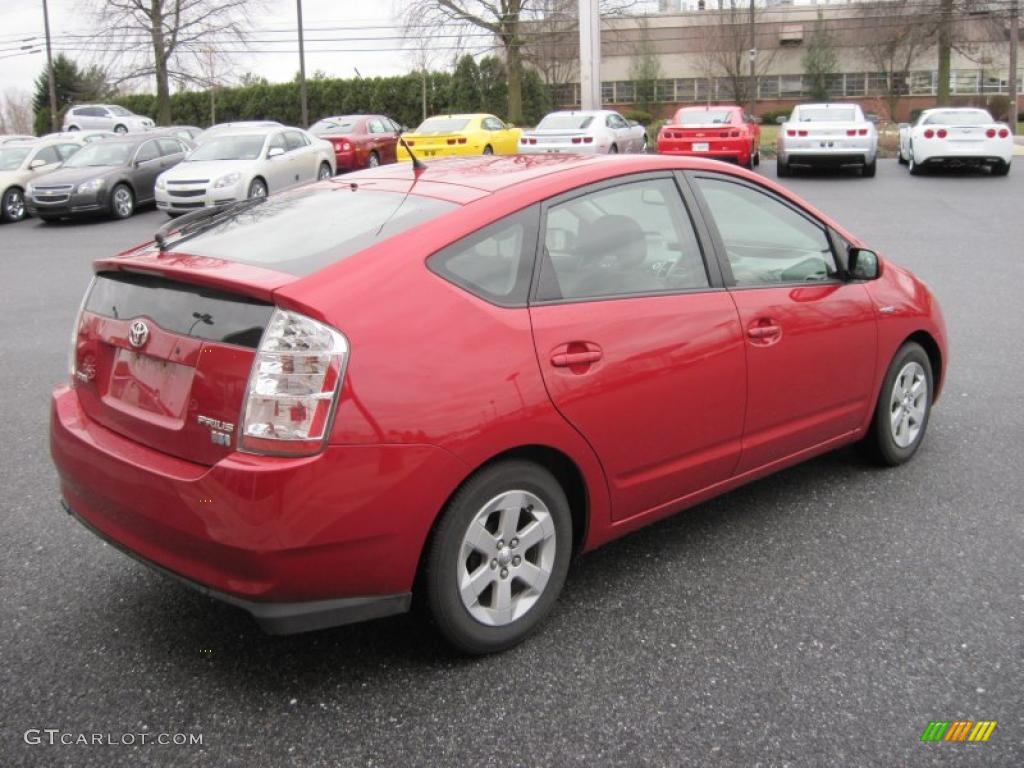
37	163
862	264
275	152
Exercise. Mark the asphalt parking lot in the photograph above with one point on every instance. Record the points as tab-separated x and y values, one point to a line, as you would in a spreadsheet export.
821	617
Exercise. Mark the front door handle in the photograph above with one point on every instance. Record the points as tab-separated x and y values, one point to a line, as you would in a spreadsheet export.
764	331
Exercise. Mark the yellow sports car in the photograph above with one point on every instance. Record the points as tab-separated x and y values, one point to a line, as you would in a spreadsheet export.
461	135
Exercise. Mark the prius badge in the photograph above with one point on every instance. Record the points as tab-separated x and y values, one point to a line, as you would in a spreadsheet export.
220	431
138	333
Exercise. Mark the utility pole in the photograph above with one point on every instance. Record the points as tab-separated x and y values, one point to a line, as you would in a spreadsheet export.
49	70
753	62
590	54
302	68
1014	85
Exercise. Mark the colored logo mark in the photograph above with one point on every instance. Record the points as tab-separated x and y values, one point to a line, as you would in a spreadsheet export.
958	730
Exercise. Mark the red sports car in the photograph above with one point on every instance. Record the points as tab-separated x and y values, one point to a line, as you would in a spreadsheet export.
359	141
496	363
722	133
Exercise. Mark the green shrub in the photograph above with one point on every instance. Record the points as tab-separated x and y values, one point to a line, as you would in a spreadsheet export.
772	115
641	116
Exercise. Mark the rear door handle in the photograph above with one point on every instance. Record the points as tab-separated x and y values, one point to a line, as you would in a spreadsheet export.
565	359
763	331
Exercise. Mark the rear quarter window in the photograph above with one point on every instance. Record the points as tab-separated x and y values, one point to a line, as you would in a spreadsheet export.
494	263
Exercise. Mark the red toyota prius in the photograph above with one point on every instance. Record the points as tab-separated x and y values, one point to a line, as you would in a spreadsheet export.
441	384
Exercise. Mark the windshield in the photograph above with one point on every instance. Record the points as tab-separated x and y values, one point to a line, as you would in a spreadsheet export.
441	125
830	115
119	111
100	153
973	117
230	148
564	122
327	125
12	157
703	117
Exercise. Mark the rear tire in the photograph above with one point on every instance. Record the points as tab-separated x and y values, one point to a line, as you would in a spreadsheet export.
900	157
757	158
1001	169
913	167
868	170
782	169
903	408
488	150
486	591
613	149
373	160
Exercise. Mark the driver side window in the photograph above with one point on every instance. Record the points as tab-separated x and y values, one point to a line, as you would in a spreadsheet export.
766	241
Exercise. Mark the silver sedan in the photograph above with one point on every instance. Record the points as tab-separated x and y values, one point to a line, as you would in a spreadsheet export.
599	131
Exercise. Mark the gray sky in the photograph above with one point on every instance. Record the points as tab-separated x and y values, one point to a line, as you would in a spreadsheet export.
328	24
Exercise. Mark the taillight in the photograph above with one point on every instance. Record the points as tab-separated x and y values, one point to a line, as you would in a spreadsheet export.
801	133
734	134
451	141
346	147
991	133
862	132
73	351
523	140
791	133
929	134
577	140
461	141
293	386
1003	133
941	133
851	132
588	139
533	141
410	142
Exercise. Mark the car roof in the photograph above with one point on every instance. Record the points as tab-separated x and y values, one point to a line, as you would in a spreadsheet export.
826	105
461	116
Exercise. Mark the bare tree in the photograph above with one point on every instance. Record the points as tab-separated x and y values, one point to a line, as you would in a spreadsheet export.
895	46
725	48
16	112
159	38
507	21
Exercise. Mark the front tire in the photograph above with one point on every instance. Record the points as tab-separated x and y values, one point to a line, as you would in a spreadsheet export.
903	408
122	129
257	188
12	207
498	557
324	172
122	202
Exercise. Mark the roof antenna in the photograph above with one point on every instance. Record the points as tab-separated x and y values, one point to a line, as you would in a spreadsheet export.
418	166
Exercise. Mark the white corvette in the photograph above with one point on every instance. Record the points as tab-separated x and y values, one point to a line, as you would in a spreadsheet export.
599	131
954	137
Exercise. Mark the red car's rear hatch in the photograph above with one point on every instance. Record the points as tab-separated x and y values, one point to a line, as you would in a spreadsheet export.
706	137
165	362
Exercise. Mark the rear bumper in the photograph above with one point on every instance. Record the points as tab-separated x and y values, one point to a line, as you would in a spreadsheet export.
560	149
279	618
967	159
827	158
299	543
738	154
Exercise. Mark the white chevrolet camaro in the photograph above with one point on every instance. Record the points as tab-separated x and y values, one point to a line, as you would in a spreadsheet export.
588	131
953	137
829	136
240	164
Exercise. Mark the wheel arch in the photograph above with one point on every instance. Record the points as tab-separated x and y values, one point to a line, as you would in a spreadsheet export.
934	352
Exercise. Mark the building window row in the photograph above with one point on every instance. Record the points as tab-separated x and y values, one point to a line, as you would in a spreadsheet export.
964	82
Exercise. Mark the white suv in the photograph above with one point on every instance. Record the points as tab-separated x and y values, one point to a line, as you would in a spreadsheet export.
106	117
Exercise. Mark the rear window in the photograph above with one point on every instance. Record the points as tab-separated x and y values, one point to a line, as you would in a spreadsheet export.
973	117
334	224
441	125
565	122
831	115
703	117
190	310
328	126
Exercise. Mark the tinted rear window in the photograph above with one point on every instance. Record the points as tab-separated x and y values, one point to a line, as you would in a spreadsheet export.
441	125
974	117
302	232
190	310
565	122
830	115
703	117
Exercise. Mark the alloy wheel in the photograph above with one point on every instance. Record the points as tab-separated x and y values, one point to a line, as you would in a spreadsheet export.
373	161
257	189
506	558
325	172
123	202
908	404
14	205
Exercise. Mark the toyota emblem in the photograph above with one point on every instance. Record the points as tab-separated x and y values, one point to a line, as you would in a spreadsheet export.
138	332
